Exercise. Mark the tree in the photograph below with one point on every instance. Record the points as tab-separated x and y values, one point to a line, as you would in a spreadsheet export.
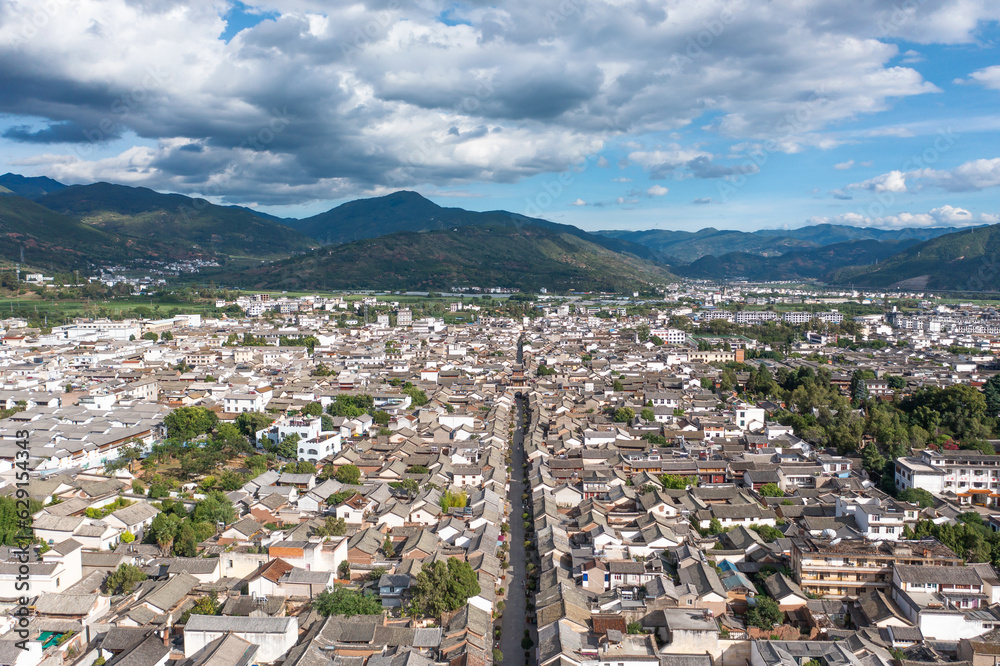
991	392
288	447
327	422
674	482
642	332
313	409
647	414
497	655
186	423
346	602
130	453
771	490
917	496
442	587
624	415
635	628
332	527
767	533
124	579
149	335
376	573
348	474
765	613
872	459
389	548
215	508
167	335
250	423
208	605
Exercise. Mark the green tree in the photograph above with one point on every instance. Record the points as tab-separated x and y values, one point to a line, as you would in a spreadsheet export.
674	482
327	422
149	335
765	613
872	459
349	474
991	393
767	533
332	527
346	602
124	579
771	490
442	587
215	508
186	423
288	447
207	605
917	496
249	423
635	628
313	409
624	415
647	414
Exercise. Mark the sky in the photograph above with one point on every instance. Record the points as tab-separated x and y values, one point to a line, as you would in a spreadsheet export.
606	114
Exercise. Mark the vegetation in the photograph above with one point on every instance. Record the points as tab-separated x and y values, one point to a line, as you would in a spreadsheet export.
674	482
348	474
346	602
124	579
771	490
765	613
442	587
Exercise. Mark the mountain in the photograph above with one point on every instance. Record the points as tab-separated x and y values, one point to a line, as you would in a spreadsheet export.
687	246
814	264
53	241
967	260
191	227
409	211
525	257
31	188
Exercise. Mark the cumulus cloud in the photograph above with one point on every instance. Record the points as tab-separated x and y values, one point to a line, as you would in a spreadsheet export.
988	77
657	191
844	165
331	99
970	176
943	216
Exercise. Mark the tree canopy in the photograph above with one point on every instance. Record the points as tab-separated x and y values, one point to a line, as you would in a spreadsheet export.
442	587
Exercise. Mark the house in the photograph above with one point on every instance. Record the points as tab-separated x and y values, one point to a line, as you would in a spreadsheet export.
273	636
785	591
133	519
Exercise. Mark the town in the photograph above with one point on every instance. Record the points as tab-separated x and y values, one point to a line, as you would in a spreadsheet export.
746	474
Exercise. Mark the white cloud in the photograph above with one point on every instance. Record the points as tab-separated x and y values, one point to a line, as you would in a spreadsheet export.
578	202
944	216
843	166
657	191
377	95
988	77
970	176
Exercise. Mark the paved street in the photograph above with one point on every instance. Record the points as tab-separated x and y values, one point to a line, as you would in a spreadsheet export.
514	621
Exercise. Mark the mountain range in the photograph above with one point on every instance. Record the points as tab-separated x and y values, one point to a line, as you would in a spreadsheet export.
403	240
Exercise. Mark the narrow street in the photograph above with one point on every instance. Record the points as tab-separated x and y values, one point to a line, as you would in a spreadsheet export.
515	615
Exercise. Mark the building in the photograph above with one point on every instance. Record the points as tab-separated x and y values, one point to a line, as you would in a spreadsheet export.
974	477
851	567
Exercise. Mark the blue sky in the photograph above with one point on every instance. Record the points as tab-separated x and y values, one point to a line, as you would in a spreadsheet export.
634	114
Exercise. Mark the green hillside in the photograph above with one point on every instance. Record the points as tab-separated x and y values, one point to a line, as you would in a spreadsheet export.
59	242
409	211
967	260
30	188
687	246
526	257
191	227
813	264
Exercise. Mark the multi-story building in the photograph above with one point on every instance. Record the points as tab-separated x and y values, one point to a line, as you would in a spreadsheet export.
851	567
972	476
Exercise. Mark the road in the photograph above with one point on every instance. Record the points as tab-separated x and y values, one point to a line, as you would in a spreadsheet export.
515	615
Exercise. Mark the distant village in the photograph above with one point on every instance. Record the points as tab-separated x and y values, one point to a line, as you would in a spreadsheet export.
612	481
